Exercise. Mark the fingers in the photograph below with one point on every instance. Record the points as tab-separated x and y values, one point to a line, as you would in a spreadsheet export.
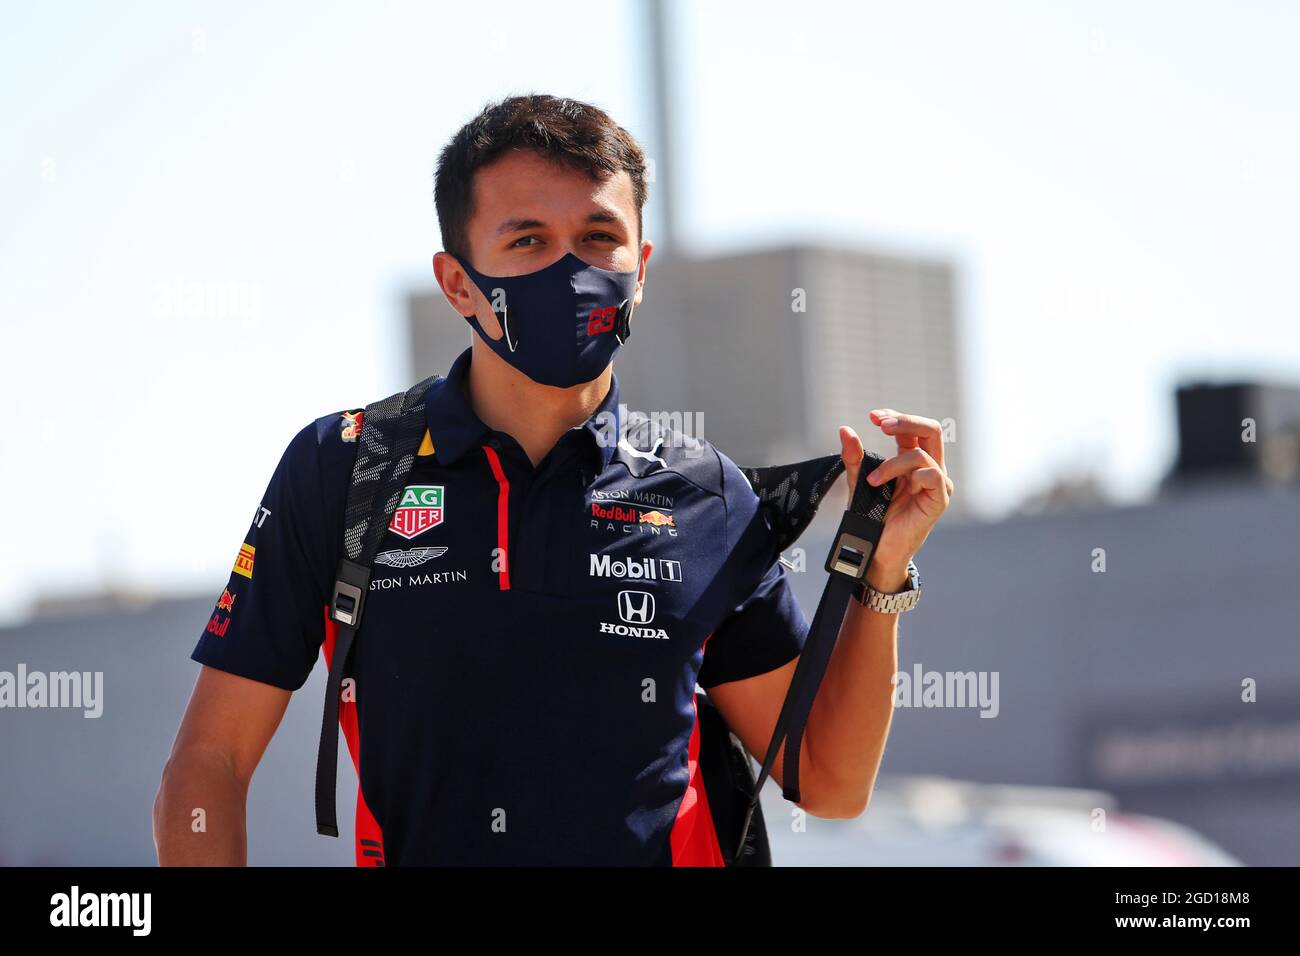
918	472
911	431
930	479
850	446
901	464
852	452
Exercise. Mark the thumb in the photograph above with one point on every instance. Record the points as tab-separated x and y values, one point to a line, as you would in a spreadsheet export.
852	453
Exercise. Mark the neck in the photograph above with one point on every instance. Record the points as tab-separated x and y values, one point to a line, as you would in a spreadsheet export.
534	415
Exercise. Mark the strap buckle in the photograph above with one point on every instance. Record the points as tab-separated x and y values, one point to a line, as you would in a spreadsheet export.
350	586
854	542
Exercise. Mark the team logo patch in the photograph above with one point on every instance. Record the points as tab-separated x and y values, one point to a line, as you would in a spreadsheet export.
614	512
350	427
634	496
244	563
636	607
419	510
611	516
226	602
409	559
635	569
637	610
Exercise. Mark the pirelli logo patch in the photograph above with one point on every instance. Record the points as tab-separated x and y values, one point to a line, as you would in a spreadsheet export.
244	563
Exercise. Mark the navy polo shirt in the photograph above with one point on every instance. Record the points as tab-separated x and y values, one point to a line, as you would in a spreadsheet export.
522	688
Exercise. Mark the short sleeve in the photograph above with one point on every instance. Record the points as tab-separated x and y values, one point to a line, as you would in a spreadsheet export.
765	627
764	632
269	621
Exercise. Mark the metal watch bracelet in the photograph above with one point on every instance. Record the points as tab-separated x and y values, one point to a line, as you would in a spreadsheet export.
895	603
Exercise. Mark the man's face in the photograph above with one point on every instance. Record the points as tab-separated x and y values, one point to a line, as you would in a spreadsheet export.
529	212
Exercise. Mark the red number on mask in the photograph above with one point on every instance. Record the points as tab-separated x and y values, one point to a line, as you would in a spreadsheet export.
601	320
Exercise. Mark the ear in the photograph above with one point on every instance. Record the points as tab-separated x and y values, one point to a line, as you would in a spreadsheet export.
454	282
462	295
647	247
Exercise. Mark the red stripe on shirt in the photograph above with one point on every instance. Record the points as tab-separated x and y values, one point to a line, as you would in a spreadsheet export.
369	836
693	839
503	515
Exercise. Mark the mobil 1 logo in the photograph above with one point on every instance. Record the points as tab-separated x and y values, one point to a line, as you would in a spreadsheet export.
635	569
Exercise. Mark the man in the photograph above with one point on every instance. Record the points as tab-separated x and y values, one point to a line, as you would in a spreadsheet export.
548	594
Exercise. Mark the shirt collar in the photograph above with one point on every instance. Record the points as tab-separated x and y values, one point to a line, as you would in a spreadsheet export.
454	428
606	424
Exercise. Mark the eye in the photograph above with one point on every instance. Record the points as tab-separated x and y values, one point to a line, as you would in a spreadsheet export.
521	239
602	237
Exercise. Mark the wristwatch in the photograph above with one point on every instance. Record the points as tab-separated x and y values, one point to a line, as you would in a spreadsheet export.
896	602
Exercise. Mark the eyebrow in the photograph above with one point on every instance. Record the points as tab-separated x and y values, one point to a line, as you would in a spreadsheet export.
518	224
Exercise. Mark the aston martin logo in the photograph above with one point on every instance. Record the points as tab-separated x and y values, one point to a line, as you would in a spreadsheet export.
409	558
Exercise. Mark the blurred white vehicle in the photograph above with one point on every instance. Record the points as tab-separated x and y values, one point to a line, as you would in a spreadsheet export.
933	821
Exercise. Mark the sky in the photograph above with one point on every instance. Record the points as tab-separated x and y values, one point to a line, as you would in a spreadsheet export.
210	215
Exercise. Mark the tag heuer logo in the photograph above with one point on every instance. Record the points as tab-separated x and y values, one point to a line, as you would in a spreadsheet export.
419	510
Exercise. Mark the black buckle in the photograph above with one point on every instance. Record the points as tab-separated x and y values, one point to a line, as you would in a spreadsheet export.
350	586
854	542
623	322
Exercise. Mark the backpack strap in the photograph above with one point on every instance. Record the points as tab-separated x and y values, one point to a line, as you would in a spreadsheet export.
728	775
391	431
791	494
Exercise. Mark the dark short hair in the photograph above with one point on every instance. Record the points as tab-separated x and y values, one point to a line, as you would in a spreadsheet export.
572	133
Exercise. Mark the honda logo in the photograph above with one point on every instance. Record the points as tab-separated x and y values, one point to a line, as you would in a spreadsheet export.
636	607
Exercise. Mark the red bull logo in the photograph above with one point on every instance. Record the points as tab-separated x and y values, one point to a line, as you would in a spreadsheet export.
658	518
615	513
351	425
218	626
226	602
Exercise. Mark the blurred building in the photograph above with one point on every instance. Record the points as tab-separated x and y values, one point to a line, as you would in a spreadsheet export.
1243	430
771	350
79	790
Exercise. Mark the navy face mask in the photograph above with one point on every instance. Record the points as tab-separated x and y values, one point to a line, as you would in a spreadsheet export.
563	323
